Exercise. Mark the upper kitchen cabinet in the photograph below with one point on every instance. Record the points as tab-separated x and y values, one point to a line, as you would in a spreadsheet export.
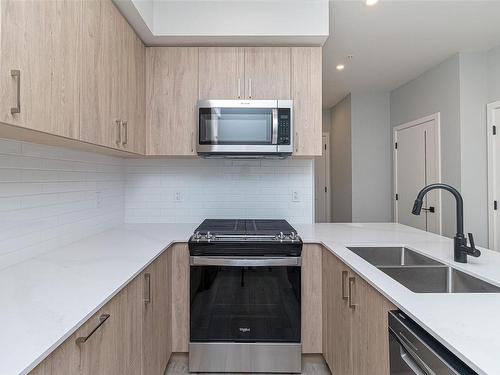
134	124
267	72
39	65
171	96
103	74
307	100
221	73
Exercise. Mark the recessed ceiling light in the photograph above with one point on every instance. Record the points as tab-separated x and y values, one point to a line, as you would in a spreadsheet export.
340	67
371	2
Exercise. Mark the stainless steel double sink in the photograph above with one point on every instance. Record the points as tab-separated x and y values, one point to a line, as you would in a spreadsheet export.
420	273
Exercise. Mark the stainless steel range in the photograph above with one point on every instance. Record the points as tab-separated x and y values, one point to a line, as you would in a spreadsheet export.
245	284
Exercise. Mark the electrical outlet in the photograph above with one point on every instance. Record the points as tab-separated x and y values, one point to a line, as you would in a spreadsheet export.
295	196
178	196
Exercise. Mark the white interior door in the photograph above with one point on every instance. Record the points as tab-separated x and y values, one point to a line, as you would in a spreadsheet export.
494	175
417	164
322	183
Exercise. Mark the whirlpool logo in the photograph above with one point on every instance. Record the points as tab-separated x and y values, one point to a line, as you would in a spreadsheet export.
244	330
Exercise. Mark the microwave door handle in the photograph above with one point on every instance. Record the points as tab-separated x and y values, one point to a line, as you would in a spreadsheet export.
274	139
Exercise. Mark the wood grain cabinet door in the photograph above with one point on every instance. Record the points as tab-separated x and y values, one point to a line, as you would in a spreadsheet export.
267	72
40	42
307	100
102	73
369	330
116	346
135	108
336	316
221	73
157	335
171	97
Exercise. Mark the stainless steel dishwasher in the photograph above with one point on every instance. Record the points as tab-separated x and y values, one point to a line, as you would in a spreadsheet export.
414	351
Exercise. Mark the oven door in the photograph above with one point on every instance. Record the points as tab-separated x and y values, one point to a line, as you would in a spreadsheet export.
245	300
233	126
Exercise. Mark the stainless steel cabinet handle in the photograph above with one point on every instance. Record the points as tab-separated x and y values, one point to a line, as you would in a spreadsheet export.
125	132
102	319
16	73
193	140
118	132
344	279
250	88
352	280
147	288
296	142
239	88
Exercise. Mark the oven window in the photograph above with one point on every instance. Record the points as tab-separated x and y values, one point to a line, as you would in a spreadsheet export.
245	304
235	126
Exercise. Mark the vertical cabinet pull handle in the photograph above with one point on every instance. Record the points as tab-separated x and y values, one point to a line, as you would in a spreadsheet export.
118	132
352	280
344	279
125	132
239	88
250	88
296	141
147	288
193	140
102	319
16	73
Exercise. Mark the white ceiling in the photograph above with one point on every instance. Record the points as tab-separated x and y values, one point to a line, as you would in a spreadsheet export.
395	41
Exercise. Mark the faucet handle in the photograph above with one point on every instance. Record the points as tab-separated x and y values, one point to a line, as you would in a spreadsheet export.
473	251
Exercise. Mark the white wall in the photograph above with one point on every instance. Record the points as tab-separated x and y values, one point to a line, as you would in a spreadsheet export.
341	162
371	157
215	22
473	144
218	189
493	73
51	196
437	90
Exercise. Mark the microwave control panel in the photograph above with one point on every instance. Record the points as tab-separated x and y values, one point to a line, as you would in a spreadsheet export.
284	128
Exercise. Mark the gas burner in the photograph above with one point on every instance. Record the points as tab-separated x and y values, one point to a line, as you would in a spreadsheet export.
245	238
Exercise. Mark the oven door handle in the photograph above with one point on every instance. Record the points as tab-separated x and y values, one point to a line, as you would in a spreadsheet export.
244	261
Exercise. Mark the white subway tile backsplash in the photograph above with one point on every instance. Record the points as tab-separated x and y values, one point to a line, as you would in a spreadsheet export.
51	196
48	197
218	189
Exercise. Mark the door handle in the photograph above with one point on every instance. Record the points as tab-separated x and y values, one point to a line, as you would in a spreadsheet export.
102	319
118	132
147	288
352	280
250	88
344	279
125	132
16	73
239	88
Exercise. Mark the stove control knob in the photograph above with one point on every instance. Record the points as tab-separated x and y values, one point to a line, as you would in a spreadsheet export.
197	235
293	236
281	236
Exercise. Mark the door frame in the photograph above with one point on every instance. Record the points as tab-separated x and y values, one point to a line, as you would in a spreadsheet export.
325	135
492	163
436	117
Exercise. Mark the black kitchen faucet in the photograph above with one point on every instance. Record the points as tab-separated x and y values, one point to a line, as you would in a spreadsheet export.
461	250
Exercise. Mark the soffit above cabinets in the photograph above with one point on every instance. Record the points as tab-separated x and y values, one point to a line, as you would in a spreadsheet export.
222	22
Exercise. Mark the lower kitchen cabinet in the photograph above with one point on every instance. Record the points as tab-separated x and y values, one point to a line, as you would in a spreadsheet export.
157	318
355	329
129	335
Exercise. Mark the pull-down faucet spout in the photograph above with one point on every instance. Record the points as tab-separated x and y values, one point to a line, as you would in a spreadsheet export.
461	250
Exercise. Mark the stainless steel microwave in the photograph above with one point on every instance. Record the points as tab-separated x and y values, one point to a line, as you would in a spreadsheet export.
245	128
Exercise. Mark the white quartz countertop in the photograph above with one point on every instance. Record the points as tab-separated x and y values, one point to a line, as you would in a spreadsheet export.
46	298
